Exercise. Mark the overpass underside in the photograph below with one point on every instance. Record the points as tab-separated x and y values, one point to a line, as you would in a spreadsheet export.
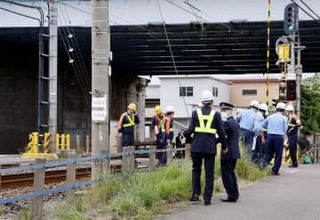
137	50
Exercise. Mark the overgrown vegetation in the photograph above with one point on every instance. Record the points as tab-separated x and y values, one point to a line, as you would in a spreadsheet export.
143	195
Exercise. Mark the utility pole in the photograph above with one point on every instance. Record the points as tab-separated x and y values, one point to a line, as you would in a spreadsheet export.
53	70
100	33
298	71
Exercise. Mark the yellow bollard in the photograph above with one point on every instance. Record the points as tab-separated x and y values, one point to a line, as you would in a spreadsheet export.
68	141
46	142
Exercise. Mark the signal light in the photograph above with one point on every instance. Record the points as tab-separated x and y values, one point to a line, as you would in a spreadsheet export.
291	19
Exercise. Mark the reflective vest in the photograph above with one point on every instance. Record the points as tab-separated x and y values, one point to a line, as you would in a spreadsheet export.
290	122
163	125
205	128
130	122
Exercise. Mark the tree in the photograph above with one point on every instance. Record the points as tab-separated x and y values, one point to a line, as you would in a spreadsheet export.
310	105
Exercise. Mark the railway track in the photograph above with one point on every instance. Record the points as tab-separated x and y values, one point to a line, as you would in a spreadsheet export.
14	181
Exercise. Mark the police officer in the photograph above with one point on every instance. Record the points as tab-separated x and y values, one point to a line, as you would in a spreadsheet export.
247	119
205	124
260	148
126	125
157	121
229	159
294	123
167	133
277	125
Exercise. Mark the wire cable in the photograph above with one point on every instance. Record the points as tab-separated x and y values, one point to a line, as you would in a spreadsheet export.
305	11
171	53
268	52
308	7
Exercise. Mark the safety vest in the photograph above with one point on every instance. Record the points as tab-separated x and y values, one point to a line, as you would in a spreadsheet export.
290	122
130	122
163	125
205	128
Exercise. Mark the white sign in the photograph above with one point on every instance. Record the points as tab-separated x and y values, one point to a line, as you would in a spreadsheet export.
99	109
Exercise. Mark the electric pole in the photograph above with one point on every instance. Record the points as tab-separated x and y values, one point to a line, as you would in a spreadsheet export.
100	33
53	70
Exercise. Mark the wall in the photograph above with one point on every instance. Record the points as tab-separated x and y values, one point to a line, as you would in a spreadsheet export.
169	93
238	99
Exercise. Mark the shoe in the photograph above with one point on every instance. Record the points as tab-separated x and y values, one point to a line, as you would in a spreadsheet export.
207	202
195	198
293	166
275	173
228	200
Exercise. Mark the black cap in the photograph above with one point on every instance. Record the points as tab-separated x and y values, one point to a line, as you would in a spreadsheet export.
226	105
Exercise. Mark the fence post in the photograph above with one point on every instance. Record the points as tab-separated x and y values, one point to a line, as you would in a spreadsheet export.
78	144
38	185
152	158
124	162
71	178
187	153
131	158
105	162
87	144
169	154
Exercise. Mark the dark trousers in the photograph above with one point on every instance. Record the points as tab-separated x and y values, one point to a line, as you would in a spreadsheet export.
163	155
292	141
260	151
209	173
127	139
247	137
159	146
274	147
229	178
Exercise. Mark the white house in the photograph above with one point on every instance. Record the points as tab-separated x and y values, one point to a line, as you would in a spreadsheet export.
183	93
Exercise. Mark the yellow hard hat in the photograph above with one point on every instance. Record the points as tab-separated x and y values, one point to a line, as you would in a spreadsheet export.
132	106
239	110
158	109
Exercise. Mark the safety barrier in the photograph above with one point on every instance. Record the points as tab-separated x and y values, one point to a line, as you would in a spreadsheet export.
63	141
127	167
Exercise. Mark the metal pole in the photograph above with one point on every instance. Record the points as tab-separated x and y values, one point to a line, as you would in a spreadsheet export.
298	70
100	77
53	70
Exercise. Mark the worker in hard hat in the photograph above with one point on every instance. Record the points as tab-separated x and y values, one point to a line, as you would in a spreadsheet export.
247	118
126	125
277	125
167	133
157	121
229	159
294	123
205	124
260	147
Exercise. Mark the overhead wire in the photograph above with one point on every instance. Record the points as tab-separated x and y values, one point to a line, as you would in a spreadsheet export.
268	51
308	7
77	49
305	11
172	55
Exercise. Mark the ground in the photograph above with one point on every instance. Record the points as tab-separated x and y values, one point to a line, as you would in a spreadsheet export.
294	195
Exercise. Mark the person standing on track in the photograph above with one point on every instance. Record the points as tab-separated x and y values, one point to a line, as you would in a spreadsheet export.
294	123
157	121
205	124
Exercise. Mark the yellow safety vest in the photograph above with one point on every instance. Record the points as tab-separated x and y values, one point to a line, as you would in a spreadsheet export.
290	124
130	123
163	125
205	128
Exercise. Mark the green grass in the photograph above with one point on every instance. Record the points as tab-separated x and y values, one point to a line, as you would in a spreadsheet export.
144	195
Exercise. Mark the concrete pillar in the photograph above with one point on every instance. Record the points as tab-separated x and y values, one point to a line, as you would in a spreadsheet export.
141	94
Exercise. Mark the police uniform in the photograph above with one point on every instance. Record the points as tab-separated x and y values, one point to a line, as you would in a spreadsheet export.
205	124
126	127
277	125
293	124
247	120
229	160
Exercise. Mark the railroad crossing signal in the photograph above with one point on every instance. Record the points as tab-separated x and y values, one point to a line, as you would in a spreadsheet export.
291	90
291	19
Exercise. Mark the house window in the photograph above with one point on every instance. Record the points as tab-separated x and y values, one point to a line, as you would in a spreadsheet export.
151	103
249	92
215	91
186	91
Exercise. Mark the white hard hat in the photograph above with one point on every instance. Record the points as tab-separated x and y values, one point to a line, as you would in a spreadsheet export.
281	105
263	106
169	109
206	96
254	103
290	108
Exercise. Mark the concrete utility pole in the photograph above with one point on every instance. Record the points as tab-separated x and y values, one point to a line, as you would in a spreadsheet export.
100	81
53	70
298	71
